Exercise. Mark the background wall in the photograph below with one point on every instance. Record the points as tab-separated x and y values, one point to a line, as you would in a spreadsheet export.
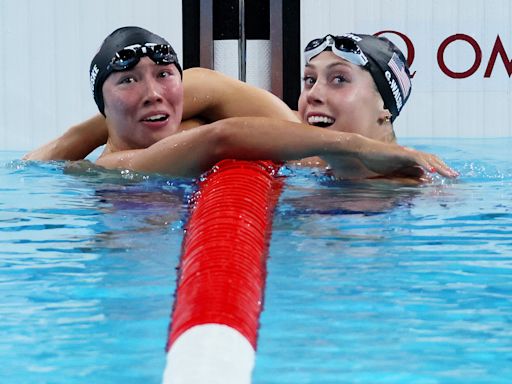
45	51
46	47
440	105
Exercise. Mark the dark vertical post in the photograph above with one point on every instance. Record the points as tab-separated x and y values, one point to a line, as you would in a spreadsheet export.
286	50
292	51
242	42
206	21
276	42
190	36
206	33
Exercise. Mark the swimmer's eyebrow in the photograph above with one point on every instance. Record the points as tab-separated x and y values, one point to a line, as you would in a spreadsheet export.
329	66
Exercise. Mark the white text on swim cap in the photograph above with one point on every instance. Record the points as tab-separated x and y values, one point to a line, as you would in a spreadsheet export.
94	74
352	36
395	90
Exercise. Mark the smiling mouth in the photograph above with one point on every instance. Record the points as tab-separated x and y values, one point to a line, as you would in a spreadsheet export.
156	118
320	121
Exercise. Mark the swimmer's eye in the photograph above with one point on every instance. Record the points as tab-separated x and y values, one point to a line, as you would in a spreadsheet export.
165	74
339	79
126	80
308	80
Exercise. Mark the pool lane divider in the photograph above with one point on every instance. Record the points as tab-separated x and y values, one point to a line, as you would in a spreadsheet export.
220	287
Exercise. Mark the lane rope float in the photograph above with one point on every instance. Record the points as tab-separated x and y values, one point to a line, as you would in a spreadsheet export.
220	288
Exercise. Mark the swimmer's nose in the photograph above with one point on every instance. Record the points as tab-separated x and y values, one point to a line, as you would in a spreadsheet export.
153	92
316	94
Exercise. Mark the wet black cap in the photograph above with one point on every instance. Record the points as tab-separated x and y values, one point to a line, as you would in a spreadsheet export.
385	62
389	69
113	43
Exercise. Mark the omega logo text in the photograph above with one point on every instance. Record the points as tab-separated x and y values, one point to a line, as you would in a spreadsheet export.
472	66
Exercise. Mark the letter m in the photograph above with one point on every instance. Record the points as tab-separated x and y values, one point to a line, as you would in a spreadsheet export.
498	48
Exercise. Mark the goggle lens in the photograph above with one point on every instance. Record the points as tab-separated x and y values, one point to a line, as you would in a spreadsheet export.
314	43
130	56
341	46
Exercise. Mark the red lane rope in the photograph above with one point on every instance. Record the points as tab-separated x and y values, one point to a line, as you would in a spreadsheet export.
223	263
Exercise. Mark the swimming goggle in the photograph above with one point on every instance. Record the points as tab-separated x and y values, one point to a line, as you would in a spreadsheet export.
341	46
129	57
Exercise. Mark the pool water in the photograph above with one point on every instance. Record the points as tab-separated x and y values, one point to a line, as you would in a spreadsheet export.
368	282
87	271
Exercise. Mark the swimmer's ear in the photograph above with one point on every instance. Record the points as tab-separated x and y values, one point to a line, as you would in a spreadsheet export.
385	121
384	117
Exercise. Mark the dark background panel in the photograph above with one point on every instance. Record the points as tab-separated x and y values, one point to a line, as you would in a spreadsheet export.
291	53
225	26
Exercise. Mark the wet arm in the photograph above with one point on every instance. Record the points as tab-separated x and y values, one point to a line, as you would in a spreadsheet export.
215	96
75	144
192	152
209	95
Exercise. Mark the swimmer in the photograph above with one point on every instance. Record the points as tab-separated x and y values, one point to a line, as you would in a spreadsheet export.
354	83
156	122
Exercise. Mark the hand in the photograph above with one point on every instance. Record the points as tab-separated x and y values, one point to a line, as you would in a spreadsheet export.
385	159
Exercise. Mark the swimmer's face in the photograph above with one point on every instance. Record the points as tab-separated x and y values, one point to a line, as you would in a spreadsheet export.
143	104
342	96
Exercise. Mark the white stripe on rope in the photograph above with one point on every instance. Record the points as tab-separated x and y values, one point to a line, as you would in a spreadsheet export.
210	354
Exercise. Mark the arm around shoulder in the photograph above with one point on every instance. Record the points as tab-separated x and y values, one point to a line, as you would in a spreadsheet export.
191	152
75	144
215	96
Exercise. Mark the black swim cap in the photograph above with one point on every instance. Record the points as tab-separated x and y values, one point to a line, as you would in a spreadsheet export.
385	62
116	41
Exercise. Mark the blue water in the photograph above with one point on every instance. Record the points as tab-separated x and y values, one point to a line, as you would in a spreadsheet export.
367	282
87	272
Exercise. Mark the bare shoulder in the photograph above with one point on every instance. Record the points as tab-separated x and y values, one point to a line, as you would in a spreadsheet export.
196	71
202	90
203	76
202	81
212	95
